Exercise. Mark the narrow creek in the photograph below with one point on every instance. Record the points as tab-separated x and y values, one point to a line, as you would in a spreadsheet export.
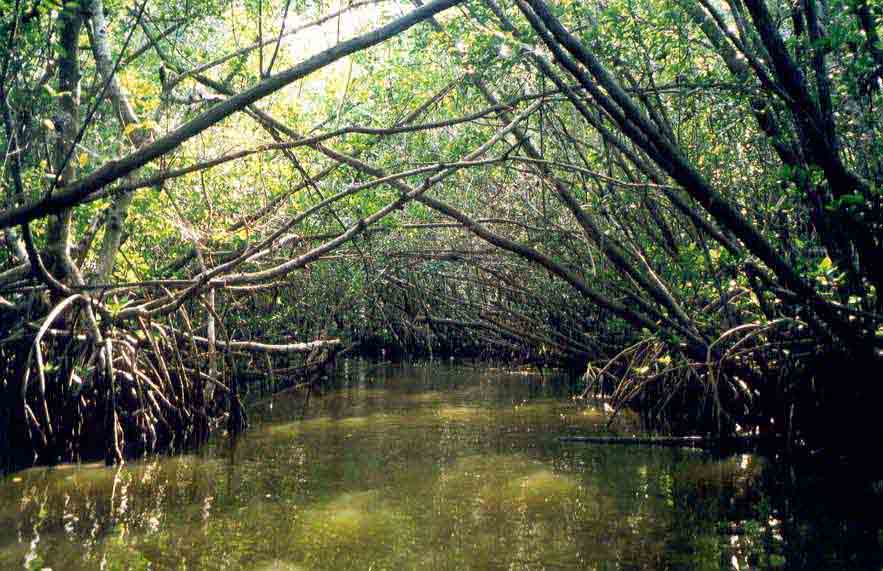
442	467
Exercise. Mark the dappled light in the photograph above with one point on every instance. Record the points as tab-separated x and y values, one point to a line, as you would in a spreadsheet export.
635	246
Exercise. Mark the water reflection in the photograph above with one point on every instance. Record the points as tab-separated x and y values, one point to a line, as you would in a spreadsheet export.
432	468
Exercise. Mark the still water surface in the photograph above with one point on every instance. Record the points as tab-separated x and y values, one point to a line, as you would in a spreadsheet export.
432	468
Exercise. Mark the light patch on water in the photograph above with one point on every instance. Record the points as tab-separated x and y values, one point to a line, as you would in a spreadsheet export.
543	489
428	396
374	421
534	408
278	565
371	421
461	413
466	477
500	483
351	527
363	394
289	429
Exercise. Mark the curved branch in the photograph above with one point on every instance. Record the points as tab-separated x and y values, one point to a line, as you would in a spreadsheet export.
76	192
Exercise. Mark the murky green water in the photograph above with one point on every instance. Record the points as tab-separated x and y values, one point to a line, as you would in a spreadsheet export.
432	468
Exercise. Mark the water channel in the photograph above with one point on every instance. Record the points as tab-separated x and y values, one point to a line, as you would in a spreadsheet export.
435	467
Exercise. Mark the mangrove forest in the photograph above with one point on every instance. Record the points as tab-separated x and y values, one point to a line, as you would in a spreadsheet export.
624	241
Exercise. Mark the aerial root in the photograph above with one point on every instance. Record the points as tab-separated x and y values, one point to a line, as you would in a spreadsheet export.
657	378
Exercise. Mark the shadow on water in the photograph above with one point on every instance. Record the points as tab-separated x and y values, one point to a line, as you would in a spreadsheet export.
438	468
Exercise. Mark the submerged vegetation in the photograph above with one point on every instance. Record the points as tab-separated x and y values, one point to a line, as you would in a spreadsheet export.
679	200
